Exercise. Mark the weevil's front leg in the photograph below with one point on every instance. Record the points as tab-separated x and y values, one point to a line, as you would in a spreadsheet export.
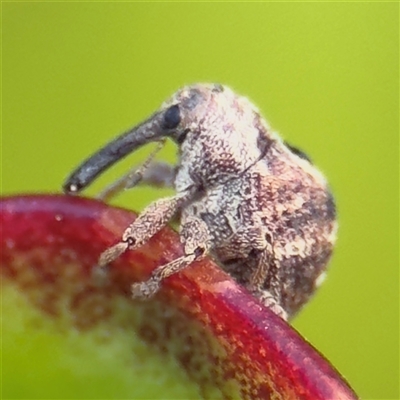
196	239
147	224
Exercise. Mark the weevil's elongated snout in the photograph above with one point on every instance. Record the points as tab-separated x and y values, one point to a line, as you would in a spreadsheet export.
149	131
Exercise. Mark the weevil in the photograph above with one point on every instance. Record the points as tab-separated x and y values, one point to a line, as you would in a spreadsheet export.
243	195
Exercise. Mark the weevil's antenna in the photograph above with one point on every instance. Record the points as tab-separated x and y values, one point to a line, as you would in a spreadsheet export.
150	130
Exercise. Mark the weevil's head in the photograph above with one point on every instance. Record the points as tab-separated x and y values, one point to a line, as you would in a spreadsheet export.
220	133
196	110
188	107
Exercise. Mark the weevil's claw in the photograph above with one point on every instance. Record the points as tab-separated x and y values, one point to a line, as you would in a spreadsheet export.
269	301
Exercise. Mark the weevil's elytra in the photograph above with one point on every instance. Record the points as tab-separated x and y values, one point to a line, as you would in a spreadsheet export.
252	201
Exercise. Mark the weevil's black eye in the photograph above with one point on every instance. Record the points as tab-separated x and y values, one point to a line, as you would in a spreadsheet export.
172	117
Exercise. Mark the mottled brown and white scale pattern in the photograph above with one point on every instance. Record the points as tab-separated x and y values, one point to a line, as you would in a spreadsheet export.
255	203
259	194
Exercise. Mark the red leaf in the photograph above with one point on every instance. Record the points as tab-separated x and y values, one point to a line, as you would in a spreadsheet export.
219	333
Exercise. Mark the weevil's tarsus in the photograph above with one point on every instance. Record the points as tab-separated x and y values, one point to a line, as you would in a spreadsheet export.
271	302
148	288
131	179
111	254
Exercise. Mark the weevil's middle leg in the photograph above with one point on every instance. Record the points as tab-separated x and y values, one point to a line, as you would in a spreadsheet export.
266	275
196	239
154	174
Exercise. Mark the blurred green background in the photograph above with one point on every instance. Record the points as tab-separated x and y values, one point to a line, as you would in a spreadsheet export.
325	76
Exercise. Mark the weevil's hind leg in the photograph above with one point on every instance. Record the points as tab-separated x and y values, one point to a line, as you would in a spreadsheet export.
152	219
156	174
196	239
266	275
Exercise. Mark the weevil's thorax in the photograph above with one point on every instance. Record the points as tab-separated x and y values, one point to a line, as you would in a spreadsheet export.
221	136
